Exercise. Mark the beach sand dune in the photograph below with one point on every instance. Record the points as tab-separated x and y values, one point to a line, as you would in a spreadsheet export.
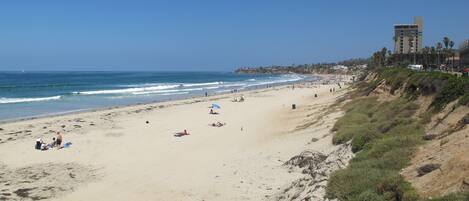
117	155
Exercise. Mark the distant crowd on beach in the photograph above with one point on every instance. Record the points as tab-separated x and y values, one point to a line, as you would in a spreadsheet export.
337	80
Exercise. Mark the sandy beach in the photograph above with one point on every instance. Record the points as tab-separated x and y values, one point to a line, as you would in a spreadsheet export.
116	155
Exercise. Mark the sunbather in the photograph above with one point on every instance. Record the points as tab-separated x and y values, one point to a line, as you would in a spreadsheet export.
180	134
218	124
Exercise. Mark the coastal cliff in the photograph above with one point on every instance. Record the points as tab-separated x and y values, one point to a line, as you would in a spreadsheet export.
409	132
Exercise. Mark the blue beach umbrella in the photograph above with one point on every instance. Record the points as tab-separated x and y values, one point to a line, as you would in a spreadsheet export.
215	106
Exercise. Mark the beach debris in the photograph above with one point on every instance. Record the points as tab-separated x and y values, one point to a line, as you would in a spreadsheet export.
425	169
307	159
317	167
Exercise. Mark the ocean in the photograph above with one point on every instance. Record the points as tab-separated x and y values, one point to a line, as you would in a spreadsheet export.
33	94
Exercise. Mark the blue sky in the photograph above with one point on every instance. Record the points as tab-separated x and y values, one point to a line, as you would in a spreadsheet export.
209	35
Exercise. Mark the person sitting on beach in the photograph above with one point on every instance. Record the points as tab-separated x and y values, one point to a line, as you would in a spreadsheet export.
213	112
53	143
59	139
44	147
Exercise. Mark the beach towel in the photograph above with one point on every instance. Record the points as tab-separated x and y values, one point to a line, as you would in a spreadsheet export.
68	144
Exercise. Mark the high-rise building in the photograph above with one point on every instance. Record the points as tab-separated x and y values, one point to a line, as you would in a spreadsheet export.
408	37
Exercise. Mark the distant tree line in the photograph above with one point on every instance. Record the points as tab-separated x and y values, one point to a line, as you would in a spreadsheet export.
321	68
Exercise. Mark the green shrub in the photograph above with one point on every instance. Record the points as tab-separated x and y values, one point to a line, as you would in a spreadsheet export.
369	195
384	136
464	100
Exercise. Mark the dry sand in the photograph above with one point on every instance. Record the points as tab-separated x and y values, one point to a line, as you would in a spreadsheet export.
116	155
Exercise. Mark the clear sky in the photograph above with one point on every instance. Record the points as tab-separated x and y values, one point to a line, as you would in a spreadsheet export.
209	35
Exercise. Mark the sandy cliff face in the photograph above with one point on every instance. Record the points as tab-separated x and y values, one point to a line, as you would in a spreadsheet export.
441	164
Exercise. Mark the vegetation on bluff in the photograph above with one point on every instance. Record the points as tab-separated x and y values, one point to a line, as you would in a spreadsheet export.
385	135
445	87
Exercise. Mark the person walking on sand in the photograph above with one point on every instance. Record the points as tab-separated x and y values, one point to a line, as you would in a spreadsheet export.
59	140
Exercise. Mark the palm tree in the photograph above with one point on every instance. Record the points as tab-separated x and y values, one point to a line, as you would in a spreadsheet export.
390	57
432	54
439	46
451	45
425	53
446	41
383	55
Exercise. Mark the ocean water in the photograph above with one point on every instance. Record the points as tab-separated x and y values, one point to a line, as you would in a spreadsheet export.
31	94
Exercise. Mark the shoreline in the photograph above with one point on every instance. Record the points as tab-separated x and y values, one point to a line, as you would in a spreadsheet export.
91	110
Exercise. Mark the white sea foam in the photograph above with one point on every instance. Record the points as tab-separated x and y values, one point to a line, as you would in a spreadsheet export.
160	88
24	100
127	90
177	93
201	84
156	92
211	87
235	85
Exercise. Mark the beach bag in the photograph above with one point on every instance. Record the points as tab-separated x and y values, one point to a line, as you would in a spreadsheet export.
38	145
